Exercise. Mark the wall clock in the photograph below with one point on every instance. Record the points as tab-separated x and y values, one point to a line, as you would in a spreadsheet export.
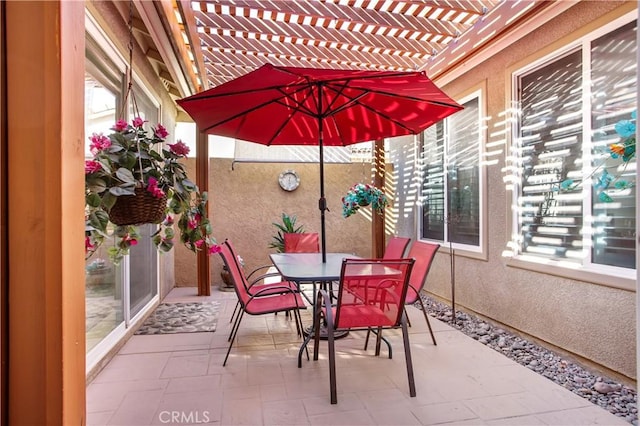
289	180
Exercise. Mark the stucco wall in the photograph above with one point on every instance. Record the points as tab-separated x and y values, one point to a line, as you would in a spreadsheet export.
246	200
589	320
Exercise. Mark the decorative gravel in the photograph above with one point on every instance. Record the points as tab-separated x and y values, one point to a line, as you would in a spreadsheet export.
614	397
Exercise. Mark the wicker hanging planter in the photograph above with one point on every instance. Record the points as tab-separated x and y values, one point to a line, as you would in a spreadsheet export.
138	209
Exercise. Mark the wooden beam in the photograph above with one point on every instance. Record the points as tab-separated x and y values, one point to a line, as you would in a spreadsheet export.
377	223
45	147
202	180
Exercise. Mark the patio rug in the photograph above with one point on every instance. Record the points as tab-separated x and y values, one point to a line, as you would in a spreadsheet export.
171	318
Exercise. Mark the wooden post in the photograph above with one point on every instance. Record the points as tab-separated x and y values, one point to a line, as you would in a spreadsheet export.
377	224
202	180
44	92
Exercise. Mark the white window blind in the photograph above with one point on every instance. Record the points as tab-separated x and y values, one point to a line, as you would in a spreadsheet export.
564	134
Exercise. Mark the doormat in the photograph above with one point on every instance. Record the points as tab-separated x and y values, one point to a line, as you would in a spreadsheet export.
171	318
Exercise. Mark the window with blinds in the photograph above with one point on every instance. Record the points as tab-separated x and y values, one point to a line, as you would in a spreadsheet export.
451	184
564	133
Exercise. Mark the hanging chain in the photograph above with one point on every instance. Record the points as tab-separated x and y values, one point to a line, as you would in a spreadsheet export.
130	92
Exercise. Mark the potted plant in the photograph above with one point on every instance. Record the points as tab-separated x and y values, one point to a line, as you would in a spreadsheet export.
287	226
131	180
362	195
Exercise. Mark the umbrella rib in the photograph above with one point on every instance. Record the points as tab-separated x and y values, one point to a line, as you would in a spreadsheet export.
255	107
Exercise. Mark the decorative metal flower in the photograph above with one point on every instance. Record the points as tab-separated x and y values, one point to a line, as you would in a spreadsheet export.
625	150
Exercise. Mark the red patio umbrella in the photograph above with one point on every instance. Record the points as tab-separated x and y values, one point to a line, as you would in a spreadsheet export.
326	107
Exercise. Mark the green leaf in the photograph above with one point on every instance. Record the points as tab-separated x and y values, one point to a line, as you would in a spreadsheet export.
93	200
125	175
188	185
108	200
122	190
96	185
128	160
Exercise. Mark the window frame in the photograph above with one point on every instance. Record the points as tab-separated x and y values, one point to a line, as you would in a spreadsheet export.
473	251
612	276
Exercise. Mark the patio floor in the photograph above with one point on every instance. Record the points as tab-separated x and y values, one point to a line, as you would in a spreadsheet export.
179	379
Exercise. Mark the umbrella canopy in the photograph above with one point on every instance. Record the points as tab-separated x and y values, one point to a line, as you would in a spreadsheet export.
325	107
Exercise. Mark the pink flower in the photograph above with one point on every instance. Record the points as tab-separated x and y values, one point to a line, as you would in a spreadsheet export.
87	244
91	166
131	241
198	243
214	249
99	142
138	122
179	148
152	187
192	224
168	220
120	126
161	132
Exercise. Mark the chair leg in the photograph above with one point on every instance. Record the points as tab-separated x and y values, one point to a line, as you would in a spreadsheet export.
235	324
426	317
366	340
234	311
332	364
233	336
407	356
378	340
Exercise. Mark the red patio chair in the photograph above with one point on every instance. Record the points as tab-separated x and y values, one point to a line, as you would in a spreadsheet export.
380	306
301	242
254	285
423	253
396	247
258	303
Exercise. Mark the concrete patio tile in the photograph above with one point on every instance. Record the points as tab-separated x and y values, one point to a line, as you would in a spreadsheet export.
138	408
529	420
394	416
242	412
454	411
346	418
99	418
321	404
290	412
202	383
496	407
388	398
276	392
189	408
183	365
591	415
109	395
167	342
134	367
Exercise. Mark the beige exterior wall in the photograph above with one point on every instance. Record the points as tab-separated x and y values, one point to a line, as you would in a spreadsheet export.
245	201
593	321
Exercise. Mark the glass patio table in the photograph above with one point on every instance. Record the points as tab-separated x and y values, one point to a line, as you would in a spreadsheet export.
309	268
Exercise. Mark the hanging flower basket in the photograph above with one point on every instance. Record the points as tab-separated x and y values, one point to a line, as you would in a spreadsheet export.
138	209
362	195
134	178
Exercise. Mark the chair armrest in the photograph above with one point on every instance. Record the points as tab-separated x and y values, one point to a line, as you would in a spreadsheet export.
257	269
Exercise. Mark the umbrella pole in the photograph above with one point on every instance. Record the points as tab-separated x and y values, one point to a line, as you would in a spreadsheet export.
322	203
